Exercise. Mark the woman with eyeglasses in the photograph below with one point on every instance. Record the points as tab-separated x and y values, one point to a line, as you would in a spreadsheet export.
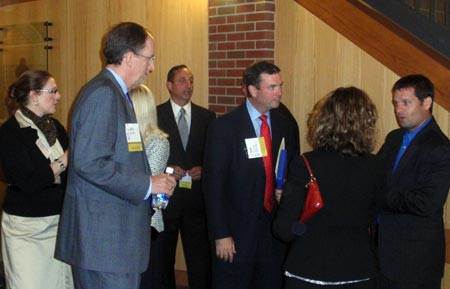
33	156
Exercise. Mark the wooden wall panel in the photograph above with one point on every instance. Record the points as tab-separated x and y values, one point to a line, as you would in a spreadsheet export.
180	30
23	13
181	33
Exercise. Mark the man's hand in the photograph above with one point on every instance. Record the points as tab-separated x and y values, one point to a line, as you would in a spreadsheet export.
178	172
195	173
163	183
225	249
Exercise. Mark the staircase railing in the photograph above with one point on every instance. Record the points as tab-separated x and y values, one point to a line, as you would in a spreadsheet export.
426	19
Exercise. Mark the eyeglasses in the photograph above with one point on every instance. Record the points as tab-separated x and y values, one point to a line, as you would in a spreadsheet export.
148	58
51	91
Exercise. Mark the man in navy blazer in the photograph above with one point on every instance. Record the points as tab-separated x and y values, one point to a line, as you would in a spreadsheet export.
185	213
104	230
417	160
245	253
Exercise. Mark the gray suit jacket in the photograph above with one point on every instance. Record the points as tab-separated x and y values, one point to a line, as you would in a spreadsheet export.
105	222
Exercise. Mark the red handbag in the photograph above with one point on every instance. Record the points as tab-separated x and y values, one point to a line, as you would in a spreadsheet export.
313	202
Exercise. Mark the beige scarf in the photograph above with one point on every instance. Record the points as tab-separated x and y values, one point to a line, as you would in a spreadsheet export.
51	152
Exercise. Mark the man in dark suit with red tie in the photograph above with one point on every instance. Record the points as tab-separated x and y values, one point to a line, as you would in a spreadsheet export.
240	157
186	124
417	159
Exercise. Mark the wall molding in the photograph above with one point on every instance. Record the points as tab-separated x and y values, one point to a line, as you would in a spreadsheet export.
11	2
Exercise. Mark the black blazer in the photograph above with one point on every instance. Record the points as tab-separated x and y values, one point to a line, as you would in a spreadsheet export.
234	184
336	245
193	156
31	191
411	231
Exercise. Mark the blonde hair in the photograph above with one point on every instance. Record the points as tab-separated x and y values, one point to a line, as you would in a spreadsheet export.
145	109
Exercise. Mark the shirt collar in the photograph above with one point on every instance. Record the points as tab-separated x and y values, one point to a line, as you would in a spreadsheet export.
176	108
119	80
410	135
254	113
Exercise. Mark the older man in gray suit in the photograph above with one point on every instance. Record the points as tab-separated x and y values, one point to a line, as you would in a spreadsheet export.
104	228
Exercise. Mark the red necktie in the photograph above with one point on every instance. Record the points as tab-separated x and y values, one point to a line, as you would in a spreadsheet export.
268	166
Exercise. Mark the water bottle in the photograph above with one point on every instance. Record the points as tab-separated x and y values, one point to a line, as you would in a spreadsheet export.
160	201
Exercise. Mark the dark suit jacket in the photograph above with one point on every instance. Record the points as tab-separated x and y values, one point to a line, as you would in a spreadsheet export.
105	222
411	231
336	245
193	156
234	184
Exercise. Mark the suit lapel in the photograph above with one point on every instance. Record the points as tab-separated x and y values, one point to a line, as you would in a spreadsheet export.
172	125
411	152
130	112
394	147
277	135
405	162
123	97
167	115
195	119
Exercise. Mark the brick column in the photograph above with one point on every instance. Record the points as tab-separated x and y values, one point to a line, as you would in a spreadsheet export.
240	32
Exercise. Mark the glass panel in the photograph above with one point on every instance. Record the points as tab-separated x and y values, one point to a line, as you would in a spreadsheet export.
22	47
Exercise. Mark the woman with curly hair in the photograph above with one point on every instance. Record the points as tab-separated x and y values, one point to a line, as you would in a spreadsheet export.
334	249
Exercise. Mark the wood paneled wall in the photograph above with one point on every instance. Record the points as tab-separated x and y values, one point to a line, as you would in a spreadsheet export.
315	60
180	29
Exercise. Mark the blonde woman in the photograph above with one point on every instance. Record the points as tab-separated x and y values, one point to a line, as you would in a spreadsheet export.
157	150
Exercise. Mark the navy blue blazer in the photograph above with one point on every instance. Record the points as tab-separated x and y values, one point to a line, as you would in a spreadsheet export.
411	231
234	184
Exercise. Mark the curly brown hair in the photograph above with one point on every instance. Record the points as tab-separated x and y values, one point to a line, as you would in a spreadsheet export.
344	121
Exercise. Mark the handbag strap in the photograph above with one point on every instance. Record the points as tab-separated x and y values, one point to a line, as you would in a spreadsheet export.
308	167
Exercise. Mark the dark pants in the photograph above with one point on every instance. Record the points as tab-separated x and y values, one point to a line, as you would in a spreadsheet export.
262	269
88	279
153	276
192	228
386	283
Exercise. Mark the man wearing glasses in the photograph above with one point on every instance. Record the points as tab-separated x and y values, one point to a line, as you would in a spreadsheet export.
104	230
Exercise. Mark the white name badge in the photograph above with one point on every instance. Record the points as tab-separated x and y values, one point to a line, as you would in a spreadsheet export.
186	182
256	147
133	137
